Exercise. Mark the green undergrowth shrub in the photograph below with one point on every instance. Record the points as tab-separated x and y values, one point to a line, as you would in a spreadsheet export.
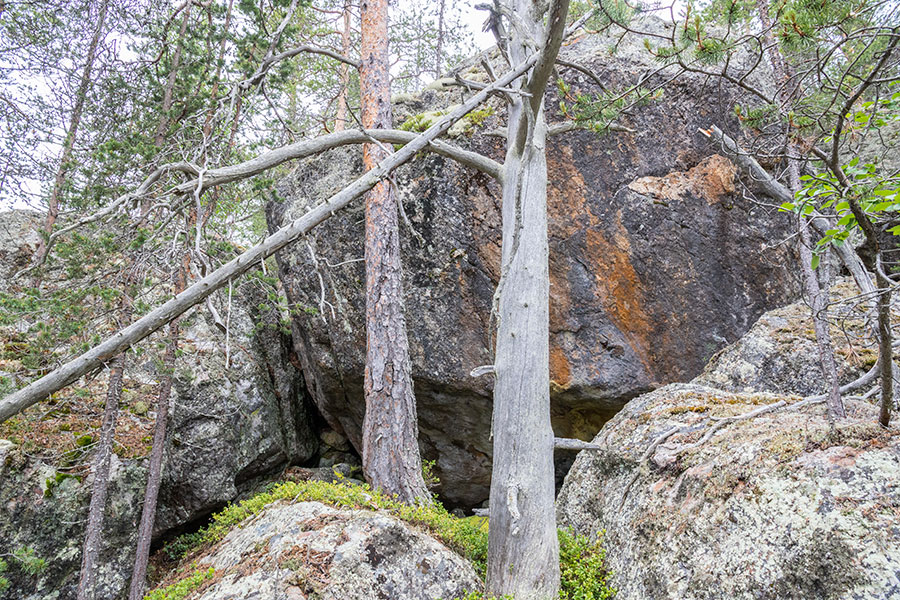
181	589
583	572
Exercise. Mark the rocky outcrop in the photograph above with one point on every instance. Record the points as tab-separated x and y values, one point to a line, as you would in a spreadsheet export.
18	240
779	506
657	261
232	428
235	425
779	353
310	550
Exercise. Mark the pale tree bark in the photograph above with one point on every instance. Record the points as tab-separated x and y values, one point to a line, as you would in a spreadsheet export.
95	357
93	536
523	551
439	43
390	439
818	298
340	119
71	134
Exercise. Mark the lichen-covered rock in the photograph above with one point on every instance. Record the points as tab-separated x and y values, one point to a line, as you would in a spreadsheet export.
311	550
18	240
779	353
44	509
780	506
232	427
656	259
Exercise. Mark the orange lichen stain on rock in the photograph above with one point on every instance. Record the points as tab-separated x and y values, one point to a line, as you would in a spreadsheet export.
619	287
560	371
712	180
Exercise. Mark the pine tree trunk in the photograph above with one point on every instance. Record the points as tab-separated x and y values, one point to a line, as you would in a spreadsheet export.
391	459
163	126
154	469
340	119
71	134
93	536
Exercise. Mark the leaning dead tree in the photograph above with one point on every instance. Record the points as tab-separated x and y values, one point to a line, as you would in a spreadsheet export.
196	293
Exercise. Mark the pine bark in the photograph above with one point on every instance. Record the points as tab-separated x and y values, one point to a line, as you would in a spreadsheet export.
168	91
157	453
74	123
93	537
391	459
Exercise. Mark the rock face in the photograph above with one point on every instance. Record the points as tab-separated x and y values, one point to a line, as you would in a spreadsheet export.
657	260
18	240
779	506
232	427
310	550
779	353
44	510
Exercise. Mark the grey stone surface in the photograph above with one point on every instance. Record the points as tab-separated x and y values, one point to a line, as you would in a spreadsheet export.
781	506
310	550
657	261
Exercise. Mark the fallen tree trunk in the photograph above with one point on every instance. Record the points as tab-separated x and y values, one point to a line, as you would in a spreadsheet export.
100	354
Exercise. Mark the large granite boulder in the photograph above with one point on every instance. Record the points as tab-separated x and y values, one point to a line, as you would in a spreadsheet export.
779	353
657	258
311	550
779	506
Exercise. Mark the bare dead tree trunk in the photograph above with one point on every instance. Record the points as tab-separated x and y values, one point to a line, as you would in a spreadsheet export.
523	551
154	469
818	298
69	143
340	119
93	536
390	438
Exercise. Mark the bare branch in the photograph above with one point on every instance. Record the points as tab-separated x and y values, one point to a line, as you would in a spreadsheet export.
197	293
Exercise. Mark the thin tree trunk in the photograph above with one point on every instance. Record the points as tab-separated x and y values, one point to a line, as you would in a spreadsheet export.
154	469
220	61
340	119
163	125
71	134
100	472
439	44
523	551
390	439
818	298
